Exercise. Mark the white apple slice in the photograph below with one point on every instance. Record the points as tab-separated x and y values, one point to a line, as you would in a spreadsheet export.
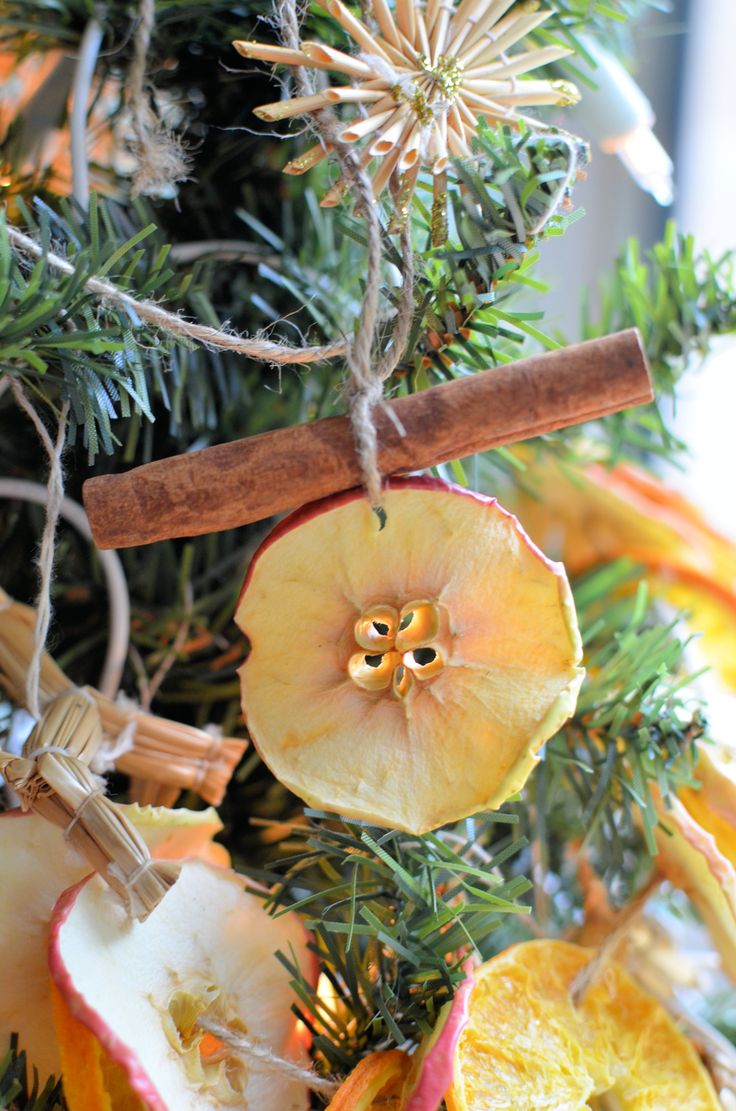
138	989
36	866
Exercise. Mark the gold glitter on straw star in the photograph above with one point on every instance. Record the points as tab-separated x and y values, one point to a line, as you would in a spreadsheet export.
421	84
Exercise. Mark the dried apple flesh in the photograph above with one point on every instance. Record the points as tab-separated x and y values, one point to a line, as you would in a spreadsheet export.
406	675
206	952
36	865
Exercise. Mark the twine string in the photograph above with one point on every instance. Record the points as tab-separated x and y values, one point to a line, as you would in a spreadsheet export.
95	794
45	561
590	972
44	750
130	879
174	325
141	46
405	311
366	384
365	388
259	1054
162	156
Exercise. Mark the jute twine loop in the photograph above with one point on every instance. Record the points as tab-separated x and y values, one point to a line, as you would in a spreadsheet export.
46	552
161	154
365	388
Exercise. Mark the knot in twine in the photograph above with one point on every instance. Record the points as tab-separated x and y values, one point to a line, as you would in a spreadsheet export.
365	387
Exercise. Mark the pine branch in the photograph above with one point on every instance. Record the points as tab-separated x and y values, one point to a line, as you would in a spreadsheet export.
680	299
510	198
635	725
65	340
502	204
66	344
611	20
392	917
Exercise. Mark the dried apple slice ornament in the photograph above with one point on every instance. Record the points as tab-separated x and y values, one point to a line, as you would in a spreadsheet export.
36	865
144	1009
406	673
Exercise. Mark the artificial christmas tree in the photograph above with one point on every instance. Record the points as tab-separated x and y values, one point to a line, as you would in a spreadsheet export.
202	326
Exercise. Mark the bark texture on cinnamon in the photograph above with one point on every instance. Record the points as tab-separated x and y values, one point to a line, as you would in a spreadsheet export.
233	484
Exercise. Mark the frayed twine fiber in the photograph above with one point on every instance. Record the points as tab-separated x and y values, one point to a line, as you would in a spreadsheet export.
162	157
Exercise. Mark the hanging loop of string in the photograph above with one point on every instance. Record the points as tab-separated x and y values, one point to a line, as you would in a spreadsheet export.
367	372
46	552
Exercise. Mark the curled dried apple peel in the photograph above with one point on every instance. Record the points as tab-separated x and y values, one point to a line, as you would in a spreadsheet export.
398	647
208	1063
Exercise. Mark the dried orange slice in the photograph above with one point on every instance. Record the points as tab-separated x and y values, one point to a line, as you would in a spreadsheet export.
594	516
407	674
527	1047
375	1084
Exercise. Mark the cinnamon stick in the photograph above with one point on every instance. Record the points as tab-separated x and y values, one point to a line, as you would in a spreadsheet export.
233	484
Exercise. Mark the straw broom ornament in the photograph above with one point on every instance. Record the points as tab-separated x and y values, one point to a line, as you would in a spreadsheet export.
172	756
52	778
421	85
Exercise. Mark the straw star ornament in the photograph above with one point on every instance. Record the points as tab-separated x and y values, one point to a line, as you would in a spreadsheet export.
420	85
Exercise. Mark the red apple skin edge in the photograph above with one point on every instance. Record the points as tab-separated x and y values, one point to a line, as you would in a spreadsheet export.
139	1081
118	1050
412	482
438	1067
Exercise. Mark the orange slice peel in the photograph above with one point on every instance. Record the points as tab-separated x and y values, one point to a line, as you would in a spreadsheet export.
375	1083
697	854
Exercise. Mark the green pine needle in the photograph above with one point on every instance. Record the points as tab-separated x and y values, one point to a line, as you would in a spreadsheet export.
15	1092
391	916
635	725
